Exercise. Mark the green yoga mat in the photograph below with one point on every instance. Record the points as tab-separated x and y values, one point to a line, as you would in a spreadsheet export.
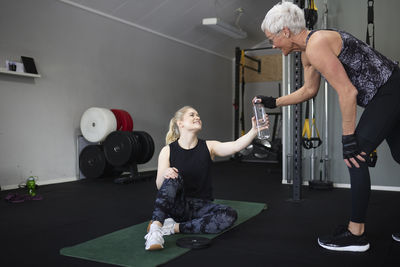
125	247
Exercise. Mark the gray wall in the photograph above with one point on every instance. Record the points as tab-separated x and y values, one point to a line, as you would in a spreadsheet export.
87	60
351	16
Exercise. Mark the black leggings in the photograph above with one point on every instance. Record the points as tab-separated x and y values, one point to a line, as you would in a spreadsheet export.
379	121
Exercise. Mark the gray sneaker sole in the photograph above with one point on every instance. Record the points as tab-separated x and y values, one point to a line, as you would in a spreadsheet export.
395	238
347	248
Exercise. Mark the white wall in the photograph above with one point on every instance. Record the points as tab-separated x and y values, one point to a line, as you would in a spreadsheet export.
87	60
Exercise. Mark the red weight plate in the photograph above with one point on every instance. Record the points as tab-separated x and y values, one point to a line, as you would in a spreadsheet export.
117	114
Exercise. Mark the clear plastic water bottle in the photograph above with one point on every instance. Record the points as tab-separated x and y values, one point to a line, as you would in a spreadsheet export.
31	185
261	121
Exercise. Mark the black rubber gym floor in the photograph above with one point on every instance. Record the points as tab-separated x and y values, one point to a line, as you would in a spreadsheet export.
33	232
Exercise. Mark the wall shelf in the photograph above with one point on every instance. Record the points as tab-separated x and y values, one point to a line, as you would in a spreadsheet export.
25	74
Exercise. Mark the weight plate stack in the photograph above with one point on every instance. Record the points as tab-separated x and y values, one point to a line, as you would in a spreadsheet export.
151	150
147	147
92	162
97	123
121	148
124	120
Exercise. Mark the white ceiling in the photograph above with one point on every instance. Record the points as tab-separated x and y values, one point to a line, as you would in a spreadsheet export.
181	20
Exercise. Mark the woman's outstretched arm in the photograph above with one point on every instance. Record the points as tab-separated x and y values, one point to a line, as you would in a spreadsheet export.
223	149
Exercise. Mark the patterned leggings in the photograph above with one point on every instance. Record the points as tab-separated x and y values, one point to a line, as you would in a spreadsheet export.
193	215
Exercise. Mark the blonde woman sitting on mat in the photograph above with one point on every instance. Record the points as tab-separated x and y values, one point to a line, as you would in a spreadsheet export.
184	199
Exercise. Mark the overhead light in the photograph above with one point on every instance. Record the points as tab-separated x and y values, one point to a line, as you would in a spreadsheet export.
225	28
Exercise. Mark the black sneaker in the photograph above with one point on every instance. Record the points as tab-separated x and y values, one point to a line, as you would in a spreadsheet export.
396	237
343	240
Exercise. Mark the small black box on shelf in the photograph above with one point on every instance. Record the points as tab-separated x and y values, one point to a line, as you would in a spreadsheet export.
29	65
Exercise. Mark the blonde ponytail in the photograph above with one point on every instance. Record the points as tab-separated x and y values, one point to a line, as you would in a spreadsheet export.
173	131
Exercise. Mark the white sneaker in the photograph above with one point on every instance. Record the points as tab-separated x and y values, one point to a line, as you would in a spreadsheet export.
154	239
168	227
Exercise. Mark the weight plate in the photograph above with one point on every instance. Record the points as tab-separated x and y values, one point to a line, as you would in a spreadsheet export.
117	115
142	153
97	123
118	148
193	242
92	162
151	148
124	120
136	146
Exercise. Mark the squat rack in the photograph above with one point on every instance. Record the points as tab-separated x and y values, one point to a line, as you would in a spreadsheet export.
239	67
295	79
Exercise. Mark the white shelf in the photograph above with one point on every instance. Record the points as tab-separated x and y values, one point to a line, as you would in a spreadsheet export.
5	71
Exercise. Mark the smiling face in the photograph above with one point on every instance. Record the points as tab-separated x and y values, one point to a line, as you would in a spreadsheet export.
190	121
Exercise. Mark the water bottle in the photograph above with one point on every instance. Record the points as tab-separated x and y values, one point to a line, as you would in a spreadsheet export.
31	185
261	121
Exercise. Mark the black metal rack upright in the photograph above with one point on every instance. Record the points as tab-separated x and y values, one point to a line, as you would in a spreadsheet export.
297	81
239	65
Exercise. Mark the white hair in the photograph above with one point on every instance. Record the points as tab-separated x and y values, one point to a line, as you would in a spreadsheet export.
285	14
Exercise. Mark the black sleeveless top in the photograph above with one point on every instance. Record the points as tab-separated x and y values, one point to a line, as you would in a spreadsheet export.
366	68
194	167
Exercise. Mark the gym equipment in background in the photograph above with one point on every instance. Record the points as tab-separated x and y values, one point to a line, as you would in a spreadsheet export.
92	162
267	150
124	120
97	123
322	182
121	148
370	25
108	147
124	150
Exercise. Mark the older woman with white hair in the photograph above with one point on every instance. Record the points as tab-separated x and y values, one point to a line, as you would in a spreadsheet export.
360	75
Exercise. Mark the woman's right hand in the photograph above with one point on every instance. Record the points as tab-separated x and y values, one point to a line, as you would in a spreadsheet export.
171	173
267	101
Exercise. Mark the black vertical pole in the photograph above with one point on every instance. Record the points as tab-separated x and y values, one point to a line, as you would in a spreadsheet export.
237	89
297	123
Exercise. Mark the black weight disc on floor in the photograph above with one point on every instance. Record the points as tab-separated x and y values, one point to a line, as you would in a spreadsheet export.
92	162
121	148
193	242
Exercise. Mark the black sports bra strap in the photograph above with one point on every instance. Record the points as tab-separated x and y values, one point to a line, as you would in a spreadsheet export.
309	35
